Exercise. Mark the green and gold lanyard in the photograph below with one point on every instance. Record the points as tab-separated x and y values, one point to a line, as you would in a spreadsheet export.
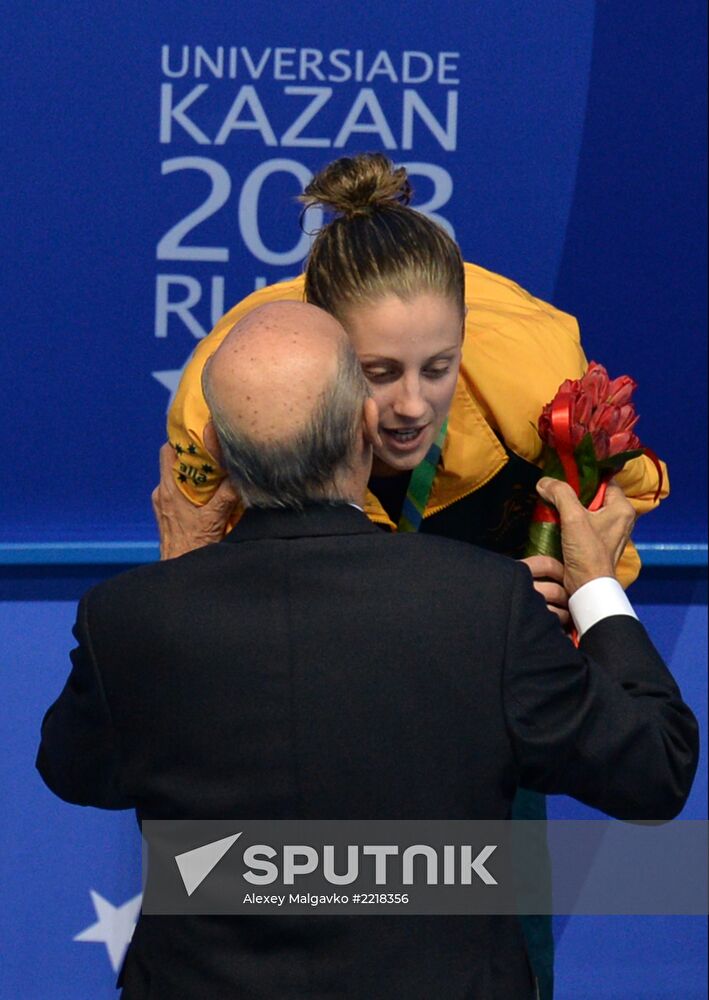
420	485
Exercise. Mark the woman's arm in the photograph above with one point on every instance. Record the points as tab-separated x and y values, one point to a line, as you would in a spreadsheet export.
517	352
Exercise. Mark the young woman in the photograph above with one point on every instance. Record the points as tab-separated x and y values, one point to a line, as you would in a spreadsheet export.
437	338
460	362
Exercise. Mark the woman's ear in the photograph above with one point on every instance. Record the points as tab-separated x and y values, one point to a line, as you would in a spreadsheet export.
211	443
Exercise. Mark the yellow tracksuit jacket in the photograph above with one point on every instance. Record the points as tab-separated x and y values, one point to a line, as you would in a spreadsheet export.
516	353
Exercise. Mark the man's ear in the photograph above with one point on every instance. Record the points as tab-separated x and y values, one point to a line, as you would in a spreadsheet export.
370	423
211	443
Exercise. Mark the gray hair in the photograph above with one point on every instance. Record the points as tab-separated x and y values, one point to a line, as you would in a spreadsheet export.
302	468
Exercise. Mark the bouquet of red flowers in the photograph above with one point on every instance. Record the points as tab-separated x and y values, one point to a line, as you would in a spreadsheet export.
587	433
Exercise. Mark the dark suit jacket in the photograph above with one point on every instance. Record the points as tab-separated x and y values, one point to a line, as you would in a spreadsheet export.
311	666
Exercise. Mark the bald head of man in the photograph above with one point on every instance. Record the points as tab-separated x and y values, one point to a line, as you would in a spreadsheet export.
290	408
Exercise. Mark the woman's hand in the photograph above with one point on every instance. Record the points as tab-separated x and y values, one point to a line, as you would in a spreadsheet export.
548	574
183	526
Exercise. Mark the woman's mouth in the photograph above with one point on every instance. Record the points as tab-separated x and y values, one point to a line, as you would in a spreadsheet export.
404	438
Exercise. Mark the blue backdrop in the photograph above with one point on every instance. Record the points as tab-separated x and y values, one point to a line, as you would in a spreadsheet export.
154	152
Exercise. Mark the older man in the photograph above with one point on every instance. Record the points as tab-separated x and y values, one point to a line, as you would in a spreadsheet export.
310	666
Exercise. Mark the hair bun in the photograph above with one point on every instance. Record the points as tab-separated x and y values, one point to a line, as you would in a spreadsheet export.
358	185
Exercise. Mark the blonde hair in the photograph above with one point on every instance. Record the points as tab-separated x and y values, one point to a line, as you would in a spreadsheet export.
376	245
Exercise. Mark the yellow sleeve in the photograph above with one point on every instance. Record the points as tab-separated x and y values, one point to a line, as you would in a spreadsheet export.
517	352
197	472
628	567
645	488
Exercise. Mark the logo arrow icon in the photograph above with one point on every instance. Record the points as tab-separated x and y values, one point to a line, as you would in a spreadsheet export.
195	865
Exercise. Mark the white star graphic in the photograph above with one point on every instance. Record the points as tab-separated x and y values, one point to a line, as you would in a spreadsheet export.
170	378
114	927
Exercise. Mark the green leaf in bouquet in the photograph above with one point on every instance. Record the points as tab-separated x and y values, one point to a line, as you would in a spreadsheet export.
535	428
588	467
551	464
544	540
614	463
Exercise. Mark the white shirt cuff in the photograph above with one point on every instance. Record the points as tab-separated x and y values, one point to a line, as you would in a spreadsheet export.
598	599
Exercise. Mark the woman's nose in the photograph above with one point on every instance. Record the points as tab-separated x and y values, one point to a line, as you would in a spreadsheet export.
409	401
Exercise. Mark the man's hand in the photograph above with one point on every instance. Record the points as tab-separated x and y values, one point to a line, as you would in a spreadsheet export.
591	541
183	526
548	576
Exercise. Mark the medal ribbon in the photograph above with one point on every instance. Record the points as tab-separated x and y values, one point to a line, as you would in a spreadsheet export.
420	485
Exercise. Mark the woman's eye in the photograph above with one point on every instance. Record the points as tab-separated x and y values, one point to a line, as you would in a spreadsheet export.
437	372
380	374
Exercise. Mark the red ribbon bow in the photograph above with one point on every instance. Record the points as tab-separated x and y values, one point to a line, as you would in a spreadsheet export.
561	421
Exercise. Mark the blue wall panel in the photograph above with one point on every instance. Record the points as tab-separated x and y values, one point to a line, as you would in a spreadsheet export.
562	143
